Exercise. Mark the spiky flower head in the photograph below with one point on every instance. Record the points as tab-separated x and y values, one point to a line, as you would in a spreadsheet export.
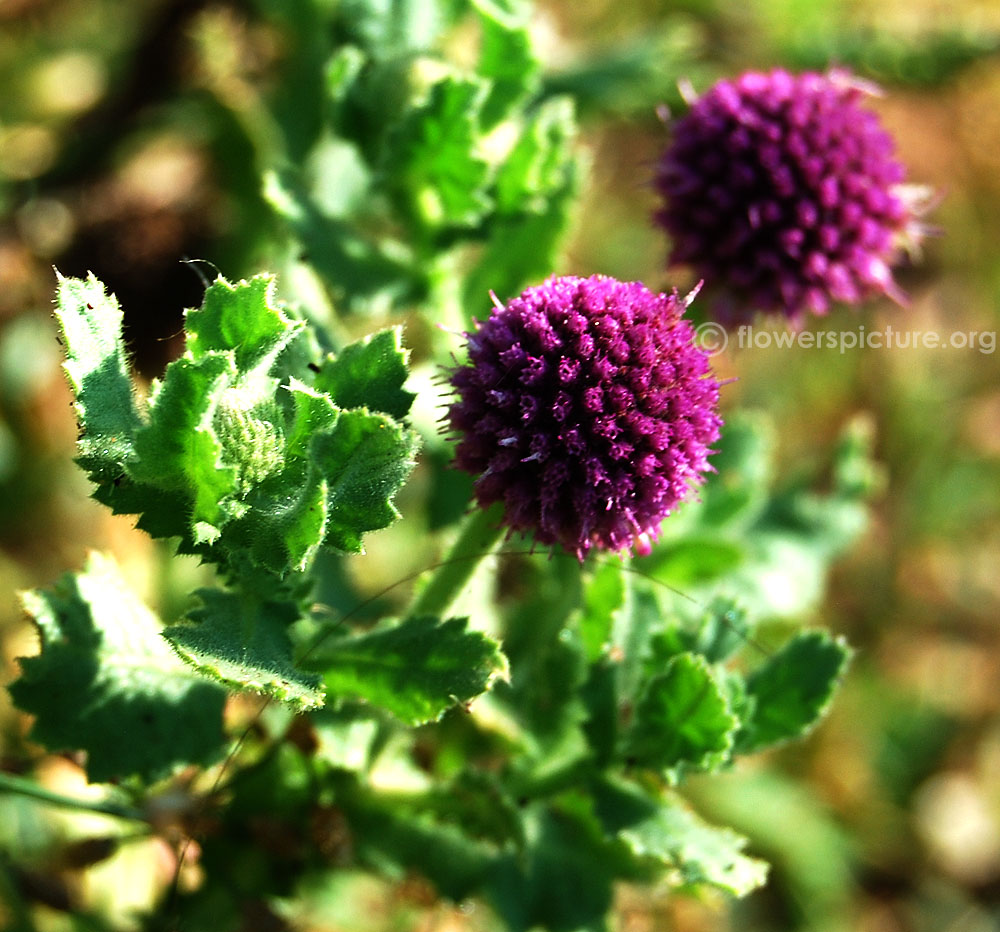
784	194
586	408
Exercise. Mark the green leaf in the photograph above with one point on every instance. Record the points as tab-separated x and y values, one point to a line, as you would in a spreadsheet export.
240	318
107	683
369	374
683	718
745	465
313	414
541	162
392	27
433	155
416	670
695	560
98	371
243	643
161	513
520	250
240	467
790	693
723	629
641	619
563	881
664	833
285	520
361	272
365	459
179	449
506	58
390	837
675	837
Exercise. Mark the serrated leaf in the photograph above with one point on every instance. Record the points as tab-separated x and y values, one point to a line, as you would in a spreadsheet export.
365	459
98	371
161	513
665	833
701	853
285	520
541	161
369	374
505	58
179	449
240	318
243	643
682	718
313	413
790	693
107	683
416	670
433	155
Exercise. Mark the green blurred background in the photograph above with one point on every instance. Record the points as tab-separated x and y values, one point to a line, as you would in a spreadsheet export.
128	139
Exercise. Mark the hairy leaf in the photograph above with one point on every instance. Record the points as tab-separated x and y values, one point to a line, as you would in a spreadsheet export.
664	833
683	717
179	450
433	154
789	693
240	318
416	670
107	683
91	324
251	474
368	374
243	643
365	459
702	854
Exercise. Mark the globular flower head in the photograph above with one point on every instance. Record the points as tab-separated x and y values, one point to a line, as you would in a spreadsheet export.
784	194
586	408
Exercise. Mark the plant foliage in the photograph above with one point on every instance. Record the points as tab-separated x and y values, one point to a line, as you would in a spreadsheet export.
522	732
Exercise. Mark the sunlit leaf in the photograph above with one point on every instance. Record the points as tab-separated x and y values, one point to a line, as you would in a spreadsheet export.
106	682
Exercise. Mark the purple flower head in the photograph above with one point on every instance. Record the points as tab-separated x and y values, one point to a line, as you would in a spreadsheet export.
587	410
784	194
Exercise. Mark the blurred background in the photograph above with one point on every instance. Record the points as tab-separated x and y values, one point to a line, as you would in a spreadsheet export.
129	138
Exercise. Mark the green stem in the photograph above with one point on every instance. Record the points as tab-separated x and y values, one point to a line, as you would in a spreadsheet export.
9	783
481	531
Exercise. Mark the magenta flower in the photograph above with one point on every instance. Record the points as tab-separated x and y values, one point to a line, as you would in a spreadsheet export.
587	410
784	194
